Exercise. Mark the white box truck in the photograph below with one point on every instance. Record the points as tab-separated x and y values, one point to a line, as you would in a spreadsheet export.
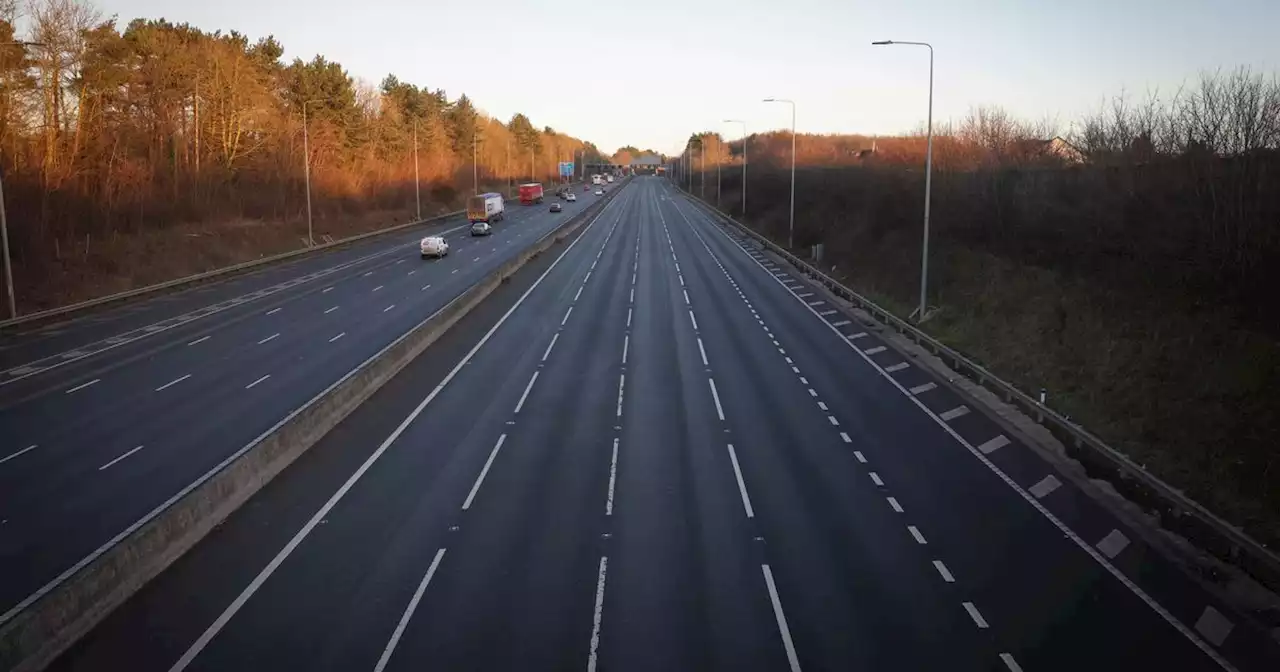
486	208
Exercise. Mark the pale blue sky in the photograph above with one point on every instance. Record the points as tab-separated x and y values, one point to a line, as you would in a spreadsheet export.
663	68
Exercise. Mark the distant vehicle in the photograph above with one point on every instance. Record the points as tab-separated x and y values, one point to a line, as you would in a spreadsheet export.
586	187
531	193
571	197
434	246
599	192
609	177
556	207
562	194
481	229
597	179
486	208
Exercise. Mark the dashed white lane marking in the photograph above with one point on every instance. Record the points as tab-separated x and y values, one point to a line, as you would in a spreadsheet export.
942	569
202	339
1010	663
579	294
171	383
20	452
389	307
813	393
716	396
483	471
875	478
958	411
703	351
833	421
113	462
822	405
377	288
787	358
550	345
326	290
921	389
845	437
686	296
628	318
340	335
330	310
795	370
827	312
993	445
742	485
1112	544
626	344
613	477
81	386
896	367
1046	485
841	323
782	620
599	613
857	454
876	350
413	271
916	533
425	288
566	316
816	303
633	295
893	503
532	380
273	311
476	259
400	261
270	338
254	383
367	274
805	295
408	613
860	334
694	320
453	271
978	620
622	382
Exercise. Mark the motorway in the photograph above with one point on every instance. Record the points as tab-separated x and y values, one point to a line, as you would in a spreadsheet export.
105	417
652	450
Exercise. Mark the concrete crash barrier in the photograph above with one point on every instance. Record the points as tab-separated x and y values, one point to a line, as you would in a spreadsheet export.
44	625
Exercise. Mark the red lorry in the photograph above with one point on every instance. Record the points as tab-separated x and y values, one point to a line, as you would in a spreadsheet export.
530	193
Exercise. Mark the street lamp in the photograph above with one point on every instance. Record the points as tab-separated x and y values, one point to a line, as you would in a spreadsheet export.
744	162
306	167
928	180
791	234
4	222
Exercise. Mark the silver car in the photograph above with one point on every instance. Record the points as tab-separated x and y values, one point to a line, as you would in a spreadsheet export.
481	229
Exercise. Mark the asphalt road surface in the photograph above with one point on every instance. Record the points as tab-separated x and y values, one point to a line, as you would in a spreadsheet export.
109	415
648	452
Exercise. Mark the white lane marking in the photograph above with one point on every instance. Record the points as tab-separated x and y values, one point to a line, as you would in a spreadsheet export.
326	290
453	271
20	452
550	345
425	288
202	339
954	413
253	587
782	620
916	533
893	503
805	295
367	274
389	307
816	303
993	445
337	337
599	613
633	278
834	422
921	389
693	320
476	259
172	383
413	271
633	295
566	316
896	367
626	344
273	311
841	323
876	350
859	456
628	318
942	569
250	385
81	386
681	280
377	288
587	277
575	296
787	358
813	393
330	310
875	478
1112	544
400	261
1046	485
270	338
703	351
803	380
622	381
742	486
860	334
686	296
795	370
112	462
408	613
532	380
822	405
484	471
977	617
716	396
613	477
827	312
1010	663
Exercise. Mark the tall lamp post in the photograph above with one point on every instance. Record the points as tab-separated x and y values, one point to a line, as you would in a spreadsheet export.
744	162
928	181
306	170
4	222
791	228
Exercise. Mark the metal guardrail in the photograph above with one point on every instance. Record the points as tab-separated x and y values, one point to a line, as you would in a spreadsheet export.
215	273
1175	511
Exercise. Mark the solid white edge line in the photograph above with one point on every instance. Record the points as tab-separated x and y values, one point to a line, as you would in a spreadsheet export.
782	620
597	615
742	485
112	462
408	613
20	452
172	383
716	396
533	379
238	603
613	477
1027	497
